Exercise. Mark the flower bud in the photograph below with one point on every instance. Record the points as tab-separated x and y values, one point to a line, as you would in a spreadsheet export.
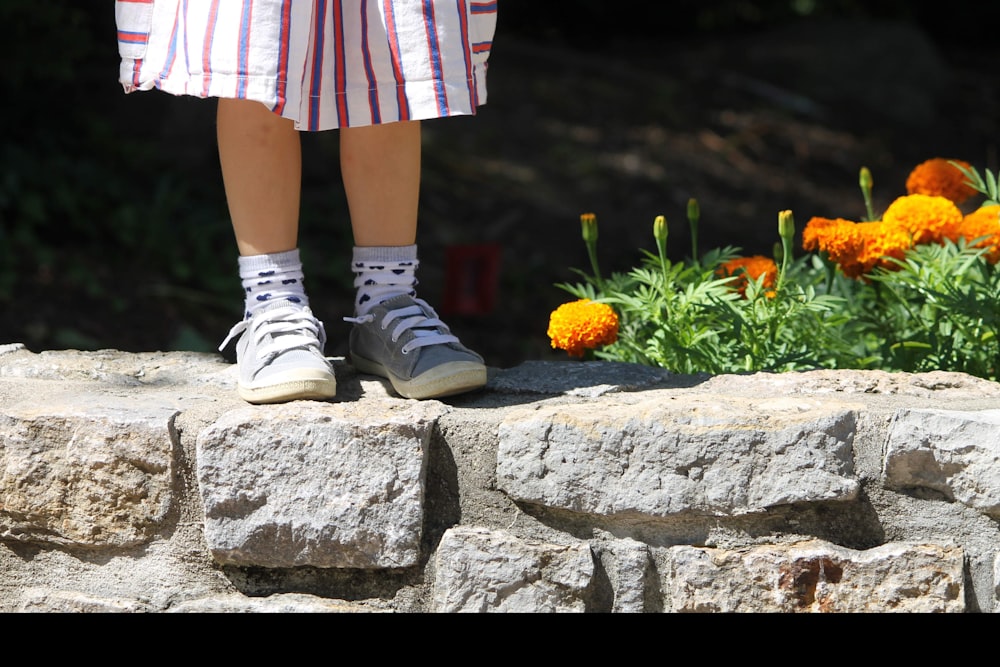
786	225
865	179
693	211
588	226
660	229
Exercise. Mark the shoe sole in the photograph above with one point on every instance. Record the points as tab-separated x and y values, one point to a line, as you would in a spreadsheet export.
457	377
292	389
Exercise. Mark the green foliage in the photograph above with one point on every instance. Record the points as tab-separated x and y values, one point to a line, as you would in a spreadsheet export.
687	318
985	183
939	311
936	310
77	214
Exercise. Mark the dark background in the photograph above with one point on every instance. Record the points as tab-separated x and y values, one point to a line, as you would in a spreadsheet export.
113	225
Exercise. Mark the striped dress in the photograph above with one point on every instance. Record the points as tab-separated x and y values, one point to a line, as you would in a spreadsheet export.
325	64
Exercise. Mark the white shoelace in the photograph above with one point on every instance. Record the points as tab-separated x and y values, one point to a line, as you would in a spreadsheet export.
289	328
412	318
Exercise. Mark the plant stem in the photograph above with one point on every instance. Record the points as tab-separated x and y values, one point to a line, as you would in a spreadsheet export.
786	232
592	252
588	228
693	215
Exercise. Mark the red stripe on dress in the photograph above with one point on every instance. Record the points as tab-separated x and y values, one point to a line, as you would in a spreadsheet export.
374	106
316	77
340	66
281	90
463	20
402	103
136	69
489	7
126	37
206	49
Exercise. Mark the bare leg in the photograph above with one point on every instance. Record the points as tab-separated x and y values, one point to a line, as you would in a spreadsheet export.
380	165
261	158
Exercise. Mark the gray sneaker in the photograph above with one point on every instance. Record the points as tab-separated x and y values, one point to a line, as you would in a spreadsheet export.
403	340
280	356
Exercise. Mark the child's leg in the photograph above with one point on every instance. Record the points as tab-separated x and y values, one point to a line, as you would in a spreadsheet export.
261	158
381	172
396	335
280	350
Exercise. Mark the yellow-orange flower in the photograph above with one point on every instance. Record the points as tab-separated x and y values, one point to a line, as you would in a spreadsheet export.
880	241
857	247
582	325
939	177
983	222
840	239
928	214
928	218
750	268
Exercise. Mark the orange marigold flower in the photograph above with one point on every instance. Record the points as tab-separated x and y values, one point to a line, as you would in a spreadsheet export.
815	232
840	239
983	222
582	325
939	177
857	247
929	218
749	268
882	240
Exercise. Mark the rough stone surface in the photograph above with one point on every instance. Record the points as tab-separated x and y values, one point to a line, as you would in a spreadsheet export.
712	455
86	472
955	454
629	566
328	486
481	570
818	577
141	483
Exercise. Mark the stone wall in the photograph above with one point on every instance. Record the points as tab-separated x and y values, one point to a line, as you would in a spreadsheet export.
141	483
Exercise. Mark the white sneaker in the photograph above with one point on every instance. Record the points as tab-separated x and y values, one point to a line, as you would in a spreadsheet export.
280	356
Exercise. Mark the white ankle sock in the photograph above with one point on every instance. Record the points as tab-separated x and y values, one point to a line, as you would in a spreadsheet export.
272	277
383	272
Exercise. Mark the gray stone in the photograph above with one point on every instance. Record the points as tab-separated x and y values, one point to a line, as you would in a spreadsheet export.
8	348
111	367
629	569
955	454
938	384
660	493
817	576
95	473
39	600
671	455
481	570
583	378
305	483
282	603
